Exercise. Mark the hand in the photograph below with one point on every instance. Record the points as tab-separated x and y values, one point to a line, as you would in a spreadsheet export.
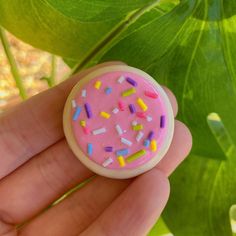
37	167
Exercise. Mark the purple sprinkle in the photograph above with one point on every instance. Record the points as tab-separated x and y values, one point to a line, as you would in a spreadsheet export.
88	110
108	149
132	108
162	122
151	135
131	81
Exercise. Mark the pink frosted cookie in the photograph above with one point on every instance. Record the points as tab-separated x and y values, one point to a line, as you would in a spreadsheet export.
118	121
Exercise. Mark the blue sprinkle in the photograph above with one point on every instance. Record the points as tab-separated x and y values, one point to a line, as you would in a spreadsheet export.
146	143
108	90
77	113
90	149
122	152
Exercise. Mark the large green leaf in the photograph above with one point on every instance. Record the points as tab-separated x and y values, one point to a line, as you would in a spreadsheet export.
69	28
191	49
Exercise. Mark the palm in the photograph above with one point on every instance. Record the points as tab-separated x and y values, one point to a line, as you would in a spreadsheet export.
37	167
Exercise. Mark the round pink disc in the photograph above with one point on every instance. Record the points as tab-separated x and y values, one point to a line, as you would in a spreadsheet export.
118	121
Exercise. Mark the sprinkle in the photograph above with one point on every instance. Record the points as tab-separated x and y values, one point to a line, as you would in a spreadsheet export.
84	93
119	130
121	79
136	155
121	106
122	152
121	161
83	123
128	92
107	162
131	81
97	84
126	141
150	94
139	136
153	145
150	135
162	121
115	110
89	149
88	110
132	108
77	113
142	105
73	103
141	115
137	127
86	130
146	143
108	149
149	118
105	114
134	122
99	131
108	90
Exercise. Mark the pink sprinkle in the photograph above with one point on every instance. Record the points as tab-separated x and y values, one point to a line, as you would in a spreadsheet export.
141	115
86	130
150	94
121	105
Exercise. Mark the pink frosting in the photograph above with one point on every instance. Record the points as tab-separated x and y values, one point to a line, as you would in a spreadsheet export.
100	101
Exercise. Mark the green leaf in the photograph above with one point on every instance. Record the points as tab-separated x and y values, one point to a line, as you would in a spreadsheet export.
160	229
193	52
68	28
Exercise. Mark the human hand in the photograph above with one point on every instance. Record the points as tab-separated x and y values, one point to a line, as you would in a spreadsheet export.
37	167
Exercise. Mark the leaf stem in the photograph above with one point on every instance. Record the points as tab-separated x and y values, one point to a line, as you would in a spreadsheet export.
13	65
114	34
52	77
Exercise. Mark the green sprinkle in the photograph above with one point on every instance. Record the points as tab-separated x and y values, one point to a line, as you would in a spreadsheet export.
135	156
128	92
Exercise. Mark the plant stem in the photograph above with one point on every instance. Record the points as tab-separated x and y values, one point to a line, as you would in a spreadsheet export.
51	81
12	63
114	34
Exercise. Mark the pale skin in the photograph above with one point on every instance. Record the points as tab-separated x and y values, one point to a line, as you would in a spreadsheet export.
37	167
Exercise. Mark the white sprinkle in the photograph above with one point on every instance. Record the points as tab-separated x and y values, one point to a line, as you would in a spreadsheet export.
139	136
99	131
84	93
121	79
134	122
73	103
149	118
119	130
115	110
107	162
126	141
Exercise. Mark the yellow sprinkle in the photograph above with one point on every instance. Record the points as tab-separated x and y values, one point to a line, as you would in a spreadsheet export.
105	114
97	84
83	123
142	105
121	161
153	145
137	127
128	92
